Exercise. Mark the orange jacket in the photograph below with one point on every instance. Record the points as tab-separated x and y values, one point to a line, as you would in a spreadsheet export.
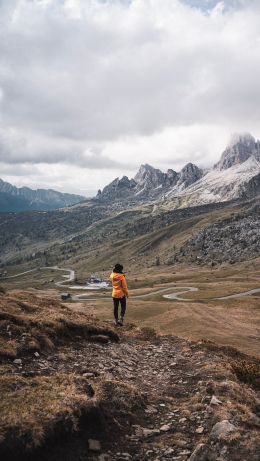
119	285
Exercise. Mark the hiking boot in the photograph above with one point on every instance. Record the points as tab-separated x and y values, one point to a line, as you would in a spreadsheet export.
116	322
121	322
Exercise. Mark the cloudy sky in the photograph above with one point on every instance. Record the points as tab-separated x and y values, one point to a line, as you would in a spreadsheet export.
90	89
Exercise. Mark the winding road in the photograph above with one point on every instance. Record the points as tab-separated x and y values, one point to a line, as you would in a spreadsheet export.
84	297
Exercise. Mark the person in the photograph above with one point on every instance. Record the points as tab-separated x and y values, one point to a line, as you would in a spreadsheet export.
119	293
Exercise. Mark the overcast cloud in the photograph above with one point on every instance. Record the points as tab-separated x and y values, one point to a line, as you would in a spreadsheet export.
89	90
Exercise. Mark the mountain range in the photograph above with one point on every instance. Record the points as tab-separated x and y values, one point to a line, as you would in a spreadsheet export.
155	213
24	199
236	175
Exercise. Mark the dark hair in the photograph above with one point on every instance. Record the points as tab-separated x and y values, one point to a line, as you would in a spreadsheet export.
118	268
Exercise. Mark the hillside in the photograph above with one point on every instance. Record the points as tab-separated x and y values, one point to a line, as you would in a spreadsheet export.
233	239
75	389
85	235
31	232
14	198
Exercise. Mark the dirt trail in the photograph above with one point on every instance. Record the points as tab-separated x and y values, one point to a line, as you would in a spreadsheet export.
177	380
172	296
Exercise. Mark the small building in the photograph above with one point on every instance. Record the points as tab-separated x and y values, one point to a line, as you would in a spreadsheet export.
95	279
65	296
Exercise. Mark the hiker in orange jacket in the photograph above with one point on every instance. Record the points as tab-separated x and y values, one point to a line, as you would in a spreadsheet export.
119	293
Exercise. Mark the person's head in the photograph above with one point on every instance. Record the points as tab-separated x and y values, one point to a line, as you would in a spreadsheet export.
118	268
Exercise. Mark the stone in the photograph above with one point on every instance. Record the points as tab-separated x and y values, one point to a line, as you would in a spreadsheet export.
215	401
165	428
36	354
169	451
222	429
94	445
149	432
150	410
88	375
200	453
200	430
17	361
182	420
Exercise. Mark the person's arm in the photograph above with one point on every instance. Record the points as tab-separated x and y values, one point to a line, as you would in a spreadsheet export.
124	287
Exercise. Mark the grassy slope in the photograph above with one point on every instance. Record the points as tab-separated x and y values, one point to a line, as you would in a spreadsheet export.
136	237
46	398
35	407
98	235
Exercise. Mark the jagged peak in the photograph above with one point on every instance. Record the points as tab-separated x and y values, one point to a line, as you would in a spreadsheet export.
241	147
189	174
238	138
190	167
145	168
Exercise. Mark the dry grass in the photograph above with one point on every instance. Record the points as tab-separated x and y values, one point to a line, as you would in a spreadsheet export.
33	410
234	322
29	323
36	408
31	407
8	348
247	372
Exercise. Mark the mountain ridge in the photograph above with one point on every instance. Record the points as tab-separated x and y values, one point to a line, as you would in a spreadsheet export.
241	159
14	198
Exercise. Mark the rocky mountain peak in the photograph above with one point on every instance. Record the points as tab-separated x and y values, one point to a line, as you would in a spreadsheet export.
148	177
118	188
241	138
241	147
171	177
189	174
216	184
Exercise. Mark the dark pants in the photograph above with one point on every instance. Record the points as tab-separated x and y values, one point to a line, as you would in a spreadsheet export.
122	302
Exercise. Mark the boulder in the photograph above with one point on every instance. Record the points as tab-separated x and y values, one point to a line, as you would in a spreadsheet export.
222	430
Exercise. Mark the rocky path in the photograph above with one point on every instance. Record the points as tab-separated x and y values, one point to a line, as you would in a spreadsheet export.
184	386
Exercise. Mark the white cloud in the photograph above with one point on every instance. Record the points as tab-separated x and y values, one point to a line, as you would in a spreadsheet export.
114	84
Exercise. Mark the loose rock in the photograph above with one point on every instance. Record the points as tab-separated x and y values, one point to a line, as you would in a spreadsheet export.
215	401
94	445
200	453
222	429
